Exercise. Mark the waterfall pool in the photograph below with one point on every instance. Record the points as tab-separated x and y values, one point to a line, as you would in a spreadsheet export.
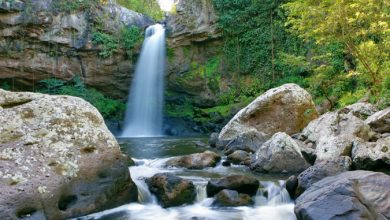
150	154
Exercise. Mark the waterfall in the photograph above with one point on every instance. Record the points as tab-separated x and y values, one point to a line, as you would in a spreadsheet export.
145	104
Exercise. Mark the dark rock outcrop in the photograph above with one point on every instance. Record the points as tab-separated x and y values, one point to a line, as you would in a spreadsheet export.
349	195
171	190
195	161
240	183
232	198
280	154
58	160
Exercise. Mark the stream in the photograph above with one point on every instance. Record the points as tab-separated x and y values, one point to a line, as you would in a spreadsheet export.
150	154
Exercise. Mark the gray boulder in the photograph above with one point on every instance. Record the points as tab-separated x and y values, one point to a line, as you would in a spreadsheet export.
279	154
380	121
371	155
349	195
321	170
57	158
171	190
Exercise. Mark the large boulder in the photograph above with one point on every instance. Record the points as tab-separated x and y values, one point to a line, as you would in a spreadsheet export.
232	198
57	158
171	190
287	108
349	195
321	170
371	155
279	154
240	183
380	121
332	134
195	161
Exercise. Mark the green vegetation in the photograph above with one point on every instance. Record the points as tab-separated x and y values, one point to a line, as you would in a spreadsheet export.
69	6
338	50
148	7
108	42
129	38
109	108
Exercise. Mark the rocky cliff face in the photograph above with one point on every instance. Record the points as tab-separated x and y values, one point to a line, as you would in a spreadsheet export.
39	41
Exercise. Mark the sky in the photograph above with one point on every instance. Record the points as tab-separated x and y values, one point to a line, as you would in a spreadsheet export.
166	5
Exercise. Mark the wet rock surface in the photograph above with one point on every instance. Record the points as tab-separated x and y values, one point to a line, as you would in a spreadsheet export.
195	161
231	198
171	190
240	183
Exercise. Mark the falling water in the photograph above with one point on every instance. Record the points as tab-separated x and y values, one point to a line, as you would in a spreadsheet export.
144	107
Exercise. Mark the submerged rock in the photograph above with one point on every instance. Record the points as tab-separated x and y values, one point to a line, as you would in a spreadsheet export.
288	108
58	159
240	183
279	154
171	190
232	198
195	161
349	195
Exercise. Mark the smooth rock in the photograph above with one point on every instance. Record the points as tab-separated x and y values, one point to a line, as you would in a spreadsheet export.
240	183
195	161
349	195
249	141
171	190
321	170
58	159
280	154
287	108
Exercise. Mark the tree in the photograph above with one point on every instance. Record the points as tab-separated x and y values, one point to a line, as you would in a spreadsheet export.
362	26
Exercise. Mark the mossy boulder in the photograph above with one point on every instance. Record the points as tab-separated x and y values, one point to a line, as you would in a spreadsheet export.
58	160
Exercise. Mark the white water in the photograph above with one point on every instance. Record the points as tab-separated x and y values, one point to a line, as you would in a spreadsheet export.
277	206
145	104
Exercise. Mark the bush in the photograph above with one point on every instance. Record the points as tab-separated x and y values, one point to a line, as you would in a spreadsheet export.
108	42
130	38
109	108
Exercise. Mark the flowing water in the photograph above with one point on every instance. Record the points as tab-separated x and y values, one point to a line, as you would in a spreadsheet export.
150	155
145	103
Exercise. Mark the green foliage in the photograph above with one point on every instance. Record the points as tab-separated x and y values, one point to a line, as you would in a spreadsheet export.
69	6
255	34
180	111
108	107
130	37
108	42
362	27
148	7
